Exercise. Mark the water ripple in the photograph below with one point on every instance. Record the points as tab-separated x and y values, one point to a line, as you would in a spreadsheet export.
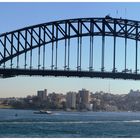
67	122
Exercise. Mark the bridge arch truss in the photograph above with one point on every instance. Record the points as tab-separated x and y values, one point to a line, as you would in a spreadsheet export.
24	41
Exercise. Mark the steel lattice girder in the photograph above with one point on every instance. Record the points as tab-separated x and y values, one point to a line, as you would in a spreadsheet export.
20	41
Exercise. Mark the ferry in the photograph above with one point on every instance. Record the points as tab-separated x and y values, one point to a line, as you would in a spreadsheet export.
42	112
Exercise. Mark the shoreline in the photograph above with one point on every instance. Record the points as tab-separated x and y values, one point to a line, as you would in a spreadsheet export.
70	111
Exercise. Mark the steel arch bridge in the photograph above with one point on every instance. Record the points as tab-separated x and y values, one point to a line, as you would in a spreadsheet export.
56	48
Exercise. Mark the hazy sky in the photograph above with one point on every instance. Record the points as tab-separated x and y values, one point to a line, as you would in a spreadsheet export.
18	15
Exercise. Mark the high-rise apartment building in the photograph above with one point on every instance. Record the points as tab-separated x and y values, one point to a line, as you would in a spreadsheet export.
42	94
83	98
71	100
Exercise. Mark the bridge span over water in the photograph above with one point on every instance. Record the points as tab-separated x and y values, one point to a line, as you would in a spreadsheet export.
84	47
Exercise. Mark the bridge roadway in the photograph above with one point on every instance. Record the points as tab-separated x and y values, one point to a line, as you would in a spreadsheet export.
6	73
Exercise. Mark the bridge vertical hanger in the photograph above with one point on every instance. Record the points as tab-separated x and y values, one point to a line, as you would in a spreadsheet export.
80	46
31	48
44	40
69	47
11	50
4	50
18	38
136	61
25	57
39	40
92	39
114	52
91	46
52	46
125	45
56	45
65	57
103	45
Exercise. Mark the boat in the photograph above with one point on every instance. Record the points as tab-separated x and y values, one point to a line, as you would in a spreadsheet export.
43	112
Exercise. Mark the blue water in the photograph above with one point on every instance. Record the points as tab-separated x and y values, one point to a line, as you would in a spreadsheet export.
69	124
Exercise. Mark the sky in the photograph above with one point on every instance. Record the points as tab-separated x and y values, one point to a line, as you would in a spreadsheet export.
18	15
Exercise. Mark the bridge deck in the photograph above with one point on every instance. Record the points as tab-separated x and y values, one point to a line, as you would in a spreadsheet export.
5	73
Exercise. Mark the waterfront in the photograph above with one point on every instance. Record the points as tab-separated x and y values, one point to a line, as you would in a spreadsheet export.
68	124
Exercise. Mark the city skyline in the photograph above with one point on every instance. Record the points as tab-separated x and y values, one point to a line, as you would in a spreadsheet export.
18	86
44	91
82	100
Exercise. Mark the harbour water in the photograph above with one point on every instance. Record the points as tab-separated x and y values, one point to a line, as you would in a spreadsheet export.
24	123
